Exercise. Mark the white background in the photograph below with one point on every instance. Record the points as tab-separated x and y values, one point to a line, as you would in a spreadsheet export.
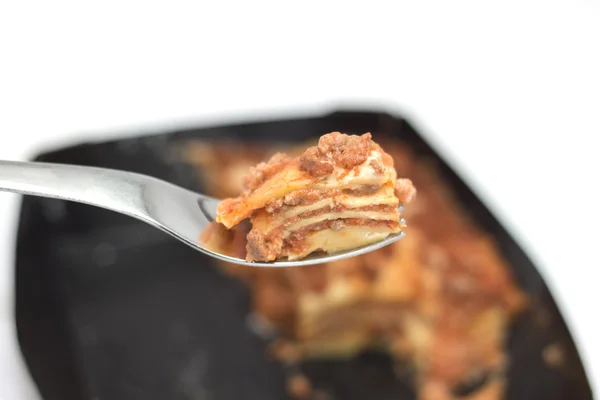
509	91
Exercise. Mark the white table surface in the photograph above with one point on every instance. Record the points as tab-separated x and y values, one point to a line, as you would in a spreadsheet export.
509	92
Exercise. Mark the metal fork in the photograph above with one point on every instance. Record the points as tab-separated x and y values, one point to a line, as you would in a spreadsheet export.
182	213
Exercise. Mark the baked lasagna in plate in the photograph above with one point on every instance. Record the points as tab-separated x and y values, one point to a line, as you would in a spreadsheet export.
341	194
439	302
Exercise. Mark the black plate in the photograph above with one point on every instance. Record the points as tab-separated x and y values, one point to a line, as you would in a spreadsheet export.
109	308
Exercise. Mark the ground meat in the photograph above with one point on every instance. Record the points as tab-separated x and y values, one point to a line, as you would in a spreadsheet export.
313	162
364	190
262	248
336	150
274	205
264	171
378	207
405	190
346	151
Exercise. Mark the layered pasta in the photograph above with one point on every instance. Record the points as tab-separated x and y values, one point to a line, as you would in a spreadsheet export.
341	194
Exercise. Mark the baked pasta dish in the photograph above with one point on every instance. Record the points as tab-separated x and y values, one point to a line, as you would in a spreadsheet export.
338	195
441	300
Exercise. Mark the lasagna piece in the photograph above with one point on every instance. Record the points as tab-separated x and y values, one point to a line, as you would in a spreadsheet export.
338	195
440	301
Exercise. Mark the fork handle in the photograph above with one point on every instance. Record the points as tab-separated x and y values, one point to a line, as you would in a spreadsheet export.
110	189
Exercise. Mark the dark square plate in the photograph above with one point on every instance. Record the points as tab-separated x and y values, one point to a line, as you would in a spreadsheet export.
109	308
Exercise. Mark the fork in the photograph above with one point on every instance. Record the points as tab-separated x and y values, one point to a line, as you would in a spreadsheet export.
182	213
